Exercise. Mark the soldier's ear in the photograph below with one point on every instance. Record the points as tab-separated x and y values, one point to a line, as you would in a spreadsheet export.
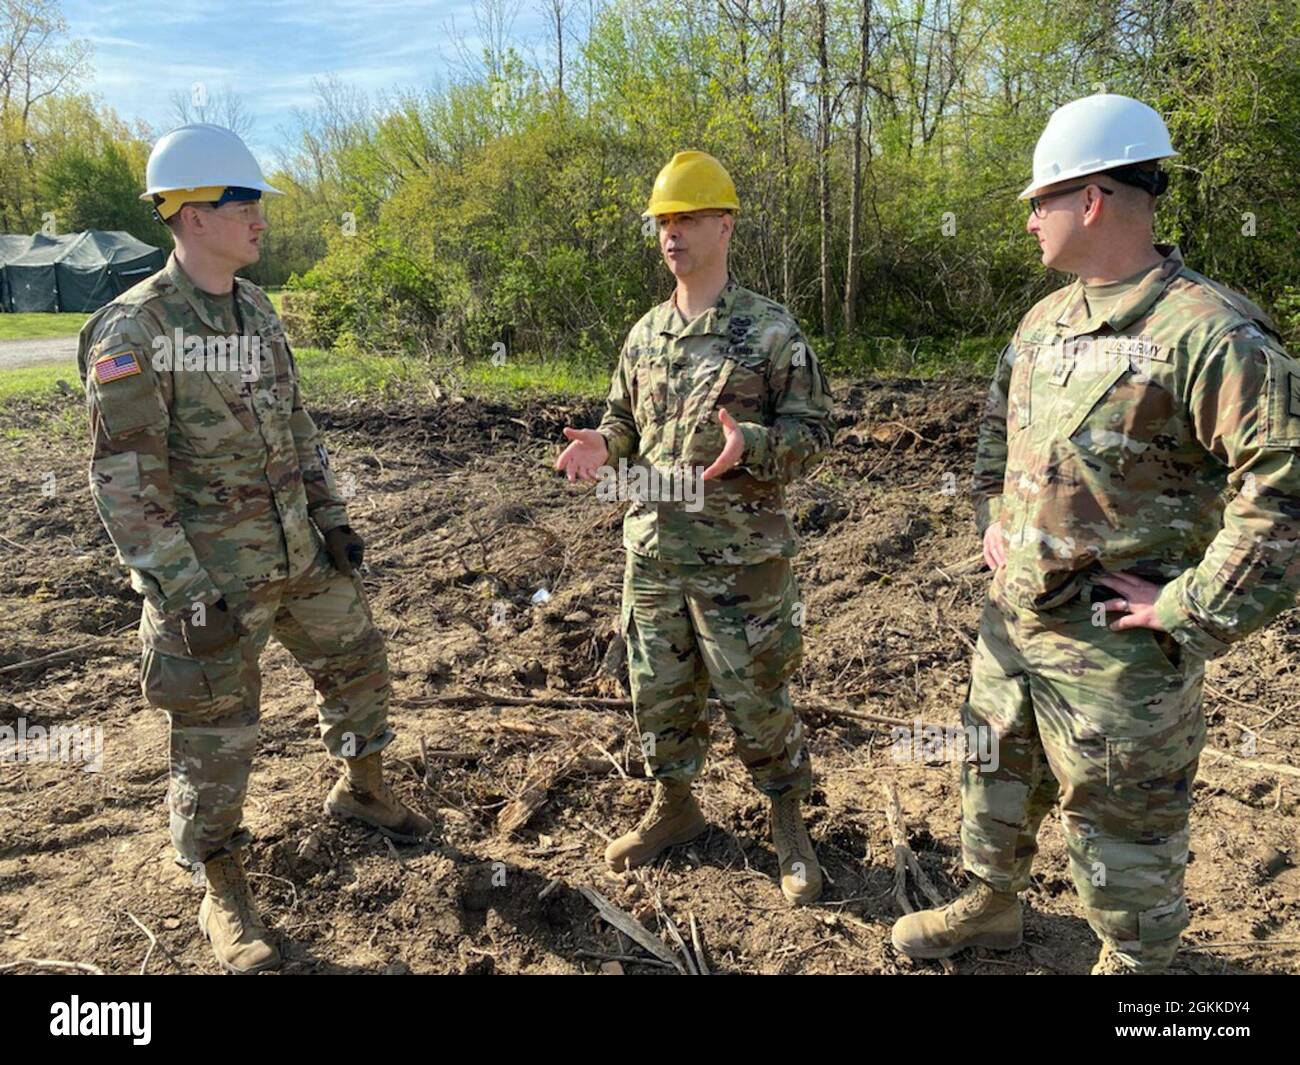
1093	210
190	217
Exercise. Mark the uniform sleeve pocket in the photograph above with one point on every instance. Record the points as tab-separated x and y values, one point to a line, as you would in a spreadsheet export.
1282	401
128	403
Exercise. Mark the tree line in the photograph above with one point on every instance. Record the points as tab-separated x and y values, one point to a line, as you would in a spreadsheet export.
878	147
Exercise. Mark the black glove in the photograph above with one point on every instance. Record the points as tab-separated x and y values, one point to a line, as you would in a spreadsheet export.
346	549
220	629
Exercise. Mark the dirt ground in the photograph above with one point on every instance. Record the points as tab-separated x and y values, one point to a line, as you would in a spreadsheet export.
465	523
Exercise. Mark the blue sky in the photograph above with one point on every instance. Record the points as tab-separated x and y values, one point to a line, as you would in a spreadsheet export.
270	50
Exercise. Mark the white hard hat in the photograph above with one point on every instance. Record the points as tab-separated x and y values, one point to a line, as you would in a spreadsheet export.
198	156
1097	133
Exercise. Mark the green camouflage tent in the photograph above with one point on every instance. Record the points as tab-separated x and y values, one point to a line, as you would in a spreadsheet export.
75	272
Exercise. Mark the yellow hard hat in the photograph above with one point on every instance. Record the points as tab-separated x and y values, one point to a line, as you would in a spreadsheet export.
692	181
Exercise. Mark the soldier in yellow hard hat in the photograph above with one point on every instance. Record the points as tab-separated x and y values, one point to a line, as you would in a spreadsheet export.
716	405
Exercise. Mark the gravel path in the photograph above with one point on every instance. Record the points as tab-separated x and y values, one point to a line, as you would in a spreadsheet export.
16	353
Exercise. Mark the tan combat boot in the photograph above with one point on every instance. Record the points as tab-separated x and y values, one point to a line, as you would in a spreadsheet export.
228	918
801	875
362	793
673	818
1109	964
979	917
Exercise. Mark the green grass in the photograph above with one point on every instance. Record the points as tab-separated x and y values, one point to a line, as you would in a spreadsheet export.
37	382
329	376
35	326
334	374
538	378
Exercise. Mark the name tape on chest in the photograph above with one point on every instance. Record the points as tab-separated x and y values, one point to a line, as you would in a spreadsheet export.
1094	355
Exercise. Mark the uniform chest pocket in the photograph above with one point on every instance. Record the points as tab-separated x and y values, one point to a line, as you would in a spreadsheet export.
208	409
723	378
1020	388
1088	411
650	385
744	389
1123	394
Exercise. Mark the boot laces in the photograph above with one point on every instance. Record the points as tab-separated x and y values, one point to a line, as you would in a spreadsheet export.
973	898
659	801
787	821
236	890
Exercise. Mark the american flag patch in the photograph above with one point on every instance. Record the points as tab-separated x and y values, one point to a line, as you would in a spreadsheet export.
111	367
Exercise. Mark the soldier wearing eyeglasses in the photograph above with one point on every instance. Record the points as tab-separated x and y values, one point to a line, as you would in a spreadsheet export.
1128	406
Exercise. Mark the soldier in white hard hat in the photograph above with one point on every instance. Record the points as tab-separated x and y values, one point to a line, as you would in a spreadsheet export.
1126	407
217	491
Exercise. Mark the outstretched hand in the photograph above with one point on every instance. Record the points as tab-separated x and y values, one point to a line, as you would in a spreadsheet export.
584	456
732	449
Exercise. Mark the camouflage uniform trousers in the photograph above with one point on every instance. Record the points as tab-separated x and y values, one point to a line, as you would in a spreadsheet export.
732	627
1109	723
322	619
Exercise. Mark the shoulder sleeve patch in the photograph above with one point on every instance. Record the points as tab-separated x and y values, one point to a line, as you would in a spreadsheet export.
1282	401
115	365
123	388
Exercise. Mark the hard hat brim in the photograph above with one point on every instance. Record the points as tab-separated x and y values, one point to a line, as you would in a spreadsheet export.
262	186
1084	171
682	207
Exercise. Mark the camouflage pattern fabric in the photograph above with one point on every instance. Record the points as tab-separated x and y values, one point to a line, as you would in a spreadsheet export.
1108	723
212	482
732	627
709	595
745	354
205	479
1108	442
1159	435
321	618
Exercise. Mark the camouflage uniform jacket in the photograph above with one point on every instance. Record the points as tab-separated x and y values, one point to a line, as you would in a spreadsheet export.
1114	443
746	354
204	477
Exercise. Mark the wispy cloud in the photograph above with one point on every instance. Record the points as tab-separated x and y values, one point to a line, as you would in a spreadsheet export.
269	51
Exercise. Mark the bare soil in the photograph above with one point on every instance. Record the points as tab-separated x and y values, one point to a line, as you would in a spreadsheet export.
465	523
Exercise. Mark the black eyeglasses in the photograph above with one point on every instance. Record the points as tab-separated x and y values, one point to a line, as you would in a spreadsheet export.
1036	202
